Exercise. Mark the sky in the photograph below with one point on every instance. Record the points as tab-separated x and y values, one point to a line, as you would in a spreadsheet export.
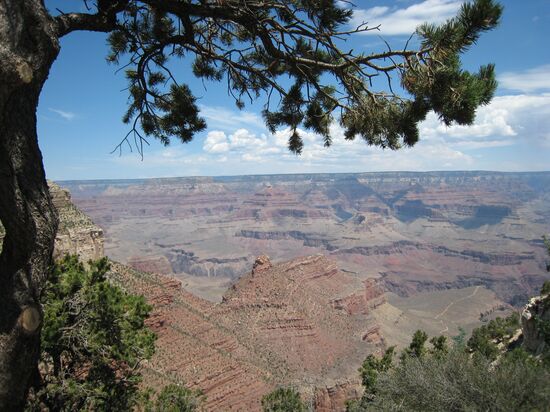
82	103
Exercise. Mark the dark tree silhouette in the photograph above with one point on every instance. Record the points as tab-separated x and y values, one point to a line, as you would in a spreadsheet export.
249	45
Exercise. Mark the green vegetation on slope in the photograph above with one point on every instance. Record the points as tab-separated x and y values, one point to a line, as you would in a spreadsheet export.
486	338
488	373
93	342
283	400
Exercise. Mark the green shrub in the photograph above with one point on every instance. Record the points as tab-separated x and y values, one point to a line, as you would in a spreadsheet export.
176	398
460	382
283	400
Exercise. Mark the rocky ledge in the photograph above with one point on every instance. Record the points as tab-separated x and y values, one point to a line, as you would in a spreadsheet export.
77	234
536	311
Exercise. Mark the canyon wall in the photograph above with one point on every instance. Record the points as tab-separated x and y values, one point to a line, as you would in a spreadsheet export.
77	234
420	232
276	326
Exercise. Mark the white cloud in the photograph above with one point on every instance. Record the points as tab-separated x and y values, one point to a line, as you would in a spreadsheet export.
224	118
505	121
510	124
404	21
216	142
535	79
241	140
64	114
508	120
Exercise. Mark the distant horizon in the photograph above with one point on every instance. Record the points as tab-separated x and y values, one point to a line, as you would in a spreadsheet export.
305	174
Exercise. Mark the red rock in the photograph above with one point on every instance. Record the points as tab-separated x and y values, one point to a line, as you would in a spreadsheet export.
276	326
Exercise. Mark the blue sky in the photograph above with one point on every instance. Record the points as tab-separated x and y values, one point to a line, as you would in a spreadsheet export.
79	116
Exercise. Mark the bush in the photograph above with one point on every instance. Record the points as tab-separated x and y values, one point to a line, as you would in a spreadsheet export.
460	382
483	338
176	398
283	400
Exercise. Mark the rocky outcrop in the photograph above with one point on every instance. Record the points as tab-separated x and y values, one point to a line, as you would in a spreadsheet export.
362	302
535	312
261	264
153	264
334	398
76	234
192	347
312	326
182	261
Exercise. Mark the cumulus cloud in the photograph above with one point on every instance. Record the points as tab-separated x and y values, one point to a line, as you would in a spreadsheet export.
241	140
531	80
216	142
404	21
505	121
513	124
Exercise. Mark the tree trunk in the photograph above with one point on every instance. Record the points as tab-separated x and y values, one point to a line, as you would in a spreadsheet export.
28	47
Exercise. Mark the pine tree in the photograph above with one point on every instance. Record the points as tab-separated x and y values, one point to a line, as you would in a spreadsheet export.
93	341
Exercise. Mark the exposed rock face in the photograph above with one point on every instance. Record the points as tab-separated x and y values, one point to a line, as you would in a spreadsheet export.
362	302
420	231
330	399
182	261
193	348
77	234
262	263
276	326
289	310
538	309
153	264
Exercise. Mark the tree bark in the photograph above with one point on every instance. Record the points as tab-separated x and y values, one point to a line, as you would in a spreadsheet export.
28	47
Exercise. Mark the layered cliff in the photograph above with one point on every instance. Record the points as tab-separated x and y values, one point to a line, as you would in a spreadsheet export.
278	325
535	321
421	231
76	234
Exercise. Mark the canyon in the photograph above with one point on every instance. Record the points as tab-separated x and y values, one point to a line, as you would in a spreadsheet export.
302	323
263	281
450	250
414	232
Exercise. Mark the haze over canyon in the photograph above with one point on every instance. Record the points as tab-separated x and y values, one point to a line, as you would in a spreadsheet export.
471	240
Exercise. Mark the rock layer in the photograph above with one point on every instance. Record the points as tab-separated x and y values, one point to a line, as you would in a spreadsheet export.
276	326
419	231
